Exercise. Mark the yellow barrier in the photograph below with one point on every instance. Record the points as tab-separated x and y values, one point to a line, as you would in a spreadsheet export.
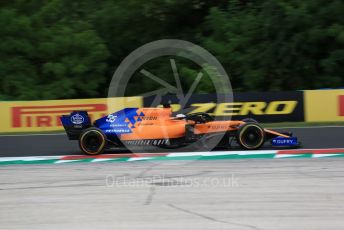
36	116
324	105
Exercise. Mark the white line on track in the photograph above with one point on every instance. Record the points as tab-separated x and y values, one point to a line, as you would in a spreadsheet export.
65	161
32	134
325	155
30	158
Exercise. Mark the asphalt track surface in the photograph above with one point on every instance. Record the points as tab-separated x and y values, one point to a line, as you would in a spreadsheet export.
58	144
257	194
263	195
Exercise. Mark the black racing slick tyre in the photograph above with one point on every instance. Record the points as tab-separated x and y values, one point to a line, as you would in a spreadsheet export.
92	141
249	120
251	136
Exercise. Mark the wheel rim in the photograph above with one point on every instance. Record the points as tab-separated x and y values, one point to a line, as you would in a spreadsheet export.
251	137
92	142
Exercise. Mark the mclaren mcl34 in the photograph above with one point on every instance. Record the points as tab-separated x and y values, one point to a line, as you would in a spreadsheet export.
158	127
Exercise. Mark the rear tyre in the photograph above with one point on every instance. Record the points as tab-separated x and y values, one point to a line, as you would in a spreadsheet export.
250	136
92	141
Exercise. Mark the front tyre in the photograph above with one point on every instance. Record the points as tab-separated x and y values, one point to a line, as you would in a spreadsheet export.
249	120
251	136
92	141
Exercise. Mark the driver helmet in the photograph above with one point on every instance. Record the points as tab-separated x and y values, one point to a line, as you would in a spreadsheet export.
180	115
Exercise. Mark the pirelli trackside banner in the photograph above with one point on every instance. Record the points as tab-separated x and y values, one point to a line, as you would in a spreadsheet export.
324	105
33	116
264	107
38	116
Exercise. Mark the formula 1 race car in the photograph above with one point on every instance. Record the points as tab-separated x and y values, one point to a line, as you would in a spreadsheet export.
157	127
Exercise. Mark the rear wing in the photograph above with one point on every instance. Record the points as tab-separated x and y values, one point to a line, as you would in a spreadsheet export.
75	123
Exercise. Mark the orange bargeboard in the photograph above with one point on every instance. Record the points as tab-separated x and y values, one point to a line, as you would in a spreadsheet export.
38	116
